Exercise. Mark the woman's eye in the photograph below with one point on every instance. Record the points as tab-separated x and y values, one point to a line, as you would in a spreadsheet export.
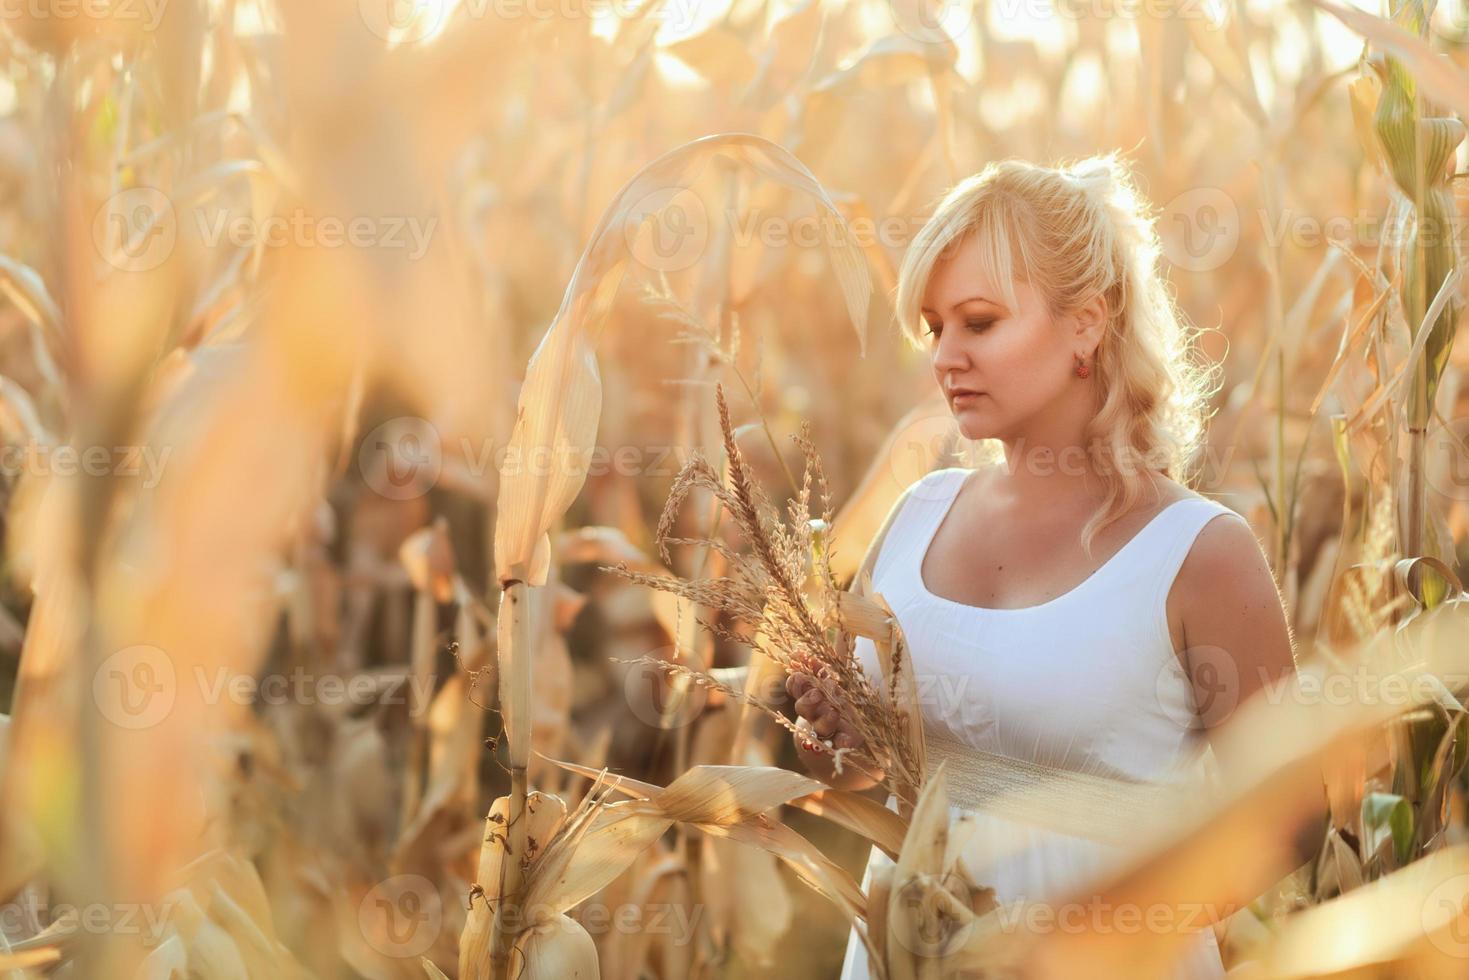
978	326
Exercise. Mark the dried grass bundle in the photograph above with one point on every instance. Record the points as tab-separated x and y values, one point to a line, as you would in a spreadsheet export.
784	588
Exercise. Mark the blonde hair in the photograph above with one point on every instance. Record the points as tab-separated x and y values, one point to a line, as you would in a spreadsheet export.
1073	232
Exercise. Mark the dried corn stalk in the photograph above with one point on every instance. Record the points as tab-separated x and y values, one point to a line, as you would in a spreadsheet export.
571	857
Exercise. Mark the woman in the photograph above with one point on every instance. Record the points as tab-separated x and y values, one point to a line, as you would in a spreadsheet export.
1075	602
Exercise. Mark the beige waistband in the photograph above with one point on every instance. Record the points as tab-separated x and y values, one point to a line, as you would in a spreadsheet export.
1103	807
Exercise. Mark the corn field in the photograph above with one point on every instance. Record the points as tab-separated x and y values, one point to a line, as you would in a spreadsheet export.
428	426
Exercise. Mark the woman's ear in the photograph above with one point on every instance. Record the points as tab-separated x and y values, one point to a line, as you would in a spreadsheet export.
1091	321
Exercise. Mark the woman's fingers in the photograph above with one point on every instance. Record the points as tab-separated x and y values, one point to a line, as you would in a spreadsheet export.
826	721
846	736
811	704
797	683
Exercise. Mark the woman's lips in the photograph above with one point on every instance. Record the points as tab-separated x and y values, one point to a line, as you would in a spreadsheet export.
960	397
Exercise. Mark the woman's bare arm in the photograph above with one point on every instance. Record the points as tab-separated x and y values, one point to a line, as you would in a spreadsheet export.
1237	640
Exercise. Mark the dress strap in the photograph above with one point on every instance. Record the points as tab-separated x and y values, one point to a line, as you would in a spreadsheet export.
926	502
1185	520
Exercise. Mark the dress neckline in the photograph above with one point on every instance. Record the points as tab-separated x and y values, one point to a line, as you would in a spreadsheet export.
1069	593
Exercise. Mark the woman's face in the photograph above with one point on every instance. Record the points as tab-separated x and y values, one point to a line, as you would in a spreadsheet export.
1019	361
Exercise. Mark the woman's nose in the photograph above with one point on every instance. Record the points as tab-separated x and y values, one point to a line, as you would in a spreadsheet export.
949	352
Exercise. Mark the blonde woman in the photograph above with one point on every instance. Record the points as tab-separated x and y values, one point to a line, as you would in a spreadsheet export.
1074	600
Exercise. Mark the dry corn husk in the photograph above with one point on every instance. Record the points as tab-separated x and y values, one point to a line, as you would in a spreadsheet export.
738	821
218	925
546	814
555	949
590	853
571	858
925	917
29	958
932	907
860	814
429	560
1436	75
1416	915
428	557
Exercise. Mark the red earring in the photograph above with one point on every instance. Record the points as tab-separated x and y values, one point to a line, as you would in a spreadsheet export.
1082	371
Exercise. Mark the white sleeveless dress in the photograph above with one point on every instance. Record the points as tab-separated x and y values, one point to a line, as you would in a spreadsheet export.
1088	681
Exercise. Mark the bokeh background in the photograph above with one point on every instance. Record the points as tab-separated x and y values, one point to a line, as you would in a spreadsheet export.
271	278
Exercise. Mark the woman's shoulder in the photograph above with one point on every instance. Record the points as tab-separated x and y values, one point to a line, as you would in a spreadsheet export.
1212	544
1171	492
936	477
955	475
938	486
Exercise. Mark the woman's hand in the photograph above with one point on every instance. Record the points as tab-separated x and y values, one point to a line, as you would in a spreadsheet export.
826	718
828	721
